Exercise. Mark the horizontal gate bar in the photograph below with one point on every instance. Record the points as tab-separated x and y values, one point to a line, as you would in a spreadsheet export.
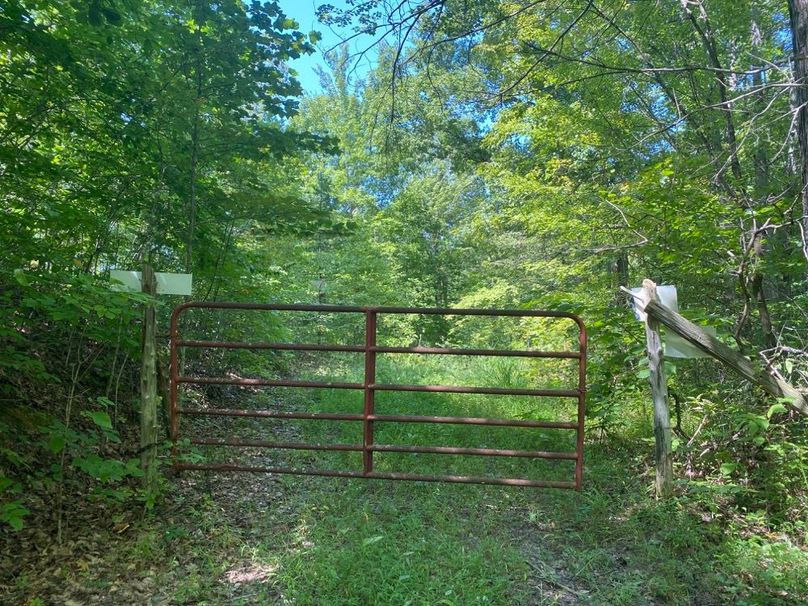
550	393
269	307
376	475
448	450
502	391
474	421
441	311
267	382
270	414
256	469
523	353
278	346
414	477
388	350
449	311
490	452
280	445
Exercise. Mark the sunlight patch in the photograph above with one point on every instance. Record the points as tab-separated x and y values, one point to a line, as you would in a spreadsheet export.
253	573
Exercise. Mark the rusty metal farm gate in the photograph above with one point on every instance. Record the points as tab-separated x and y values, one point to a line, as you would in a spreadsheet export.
369	417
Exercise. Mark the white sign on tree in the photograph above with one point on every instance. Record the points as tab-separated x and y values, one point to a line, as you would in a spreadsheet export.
167	283
675	346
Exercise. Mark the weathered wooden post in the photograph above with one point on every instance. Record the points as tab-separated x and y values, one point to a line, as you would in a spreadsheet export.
152	284
663	450
767	379
148	386
656	313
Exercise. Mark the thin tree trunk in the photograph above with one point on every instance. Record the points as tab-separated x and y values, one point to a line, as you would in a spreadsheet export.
189	250
148	388
798	13
701	25
619	270
756	288
757	250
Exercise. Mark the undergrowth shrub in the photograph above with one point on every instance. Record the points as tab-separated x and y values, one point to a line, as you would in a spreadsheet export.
67	373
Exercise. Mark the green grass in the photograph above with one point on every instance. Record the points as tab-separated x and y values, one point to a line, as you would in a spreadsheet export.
331	541
373	544
324	541
255	539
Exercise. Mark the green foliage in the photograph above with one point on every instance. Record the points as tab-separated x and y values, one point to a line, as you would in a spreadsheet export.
107	470
129	132
499	158
50	442
12	512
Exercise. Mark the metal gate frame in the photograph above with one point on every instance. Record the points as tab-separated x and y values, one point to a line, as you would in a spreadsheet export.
370	387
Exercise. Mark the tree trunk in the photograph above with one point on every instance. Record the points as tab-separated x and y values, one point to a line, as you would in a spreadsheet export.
198	81
703	28
148	388
619	274
756	288
798	12
761	163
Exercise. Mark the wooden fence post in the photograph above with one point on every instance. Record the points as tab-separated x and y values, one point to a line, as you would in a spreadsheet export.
656	314
148	387
663	450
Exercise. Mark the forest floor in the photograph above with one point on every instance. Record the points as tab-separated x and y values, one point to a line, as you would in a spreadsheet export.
241	538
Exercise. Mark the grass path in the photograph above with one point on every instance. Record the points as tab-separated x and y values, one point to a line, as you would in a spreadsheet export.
254	539
237	538
248	539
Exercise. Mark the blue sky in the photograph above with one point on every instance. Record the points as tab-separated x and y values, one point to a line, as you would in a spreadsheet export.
303	11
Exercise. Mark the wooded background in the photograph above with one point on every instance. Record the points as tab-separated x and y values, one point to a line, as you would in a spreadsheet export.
500	154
